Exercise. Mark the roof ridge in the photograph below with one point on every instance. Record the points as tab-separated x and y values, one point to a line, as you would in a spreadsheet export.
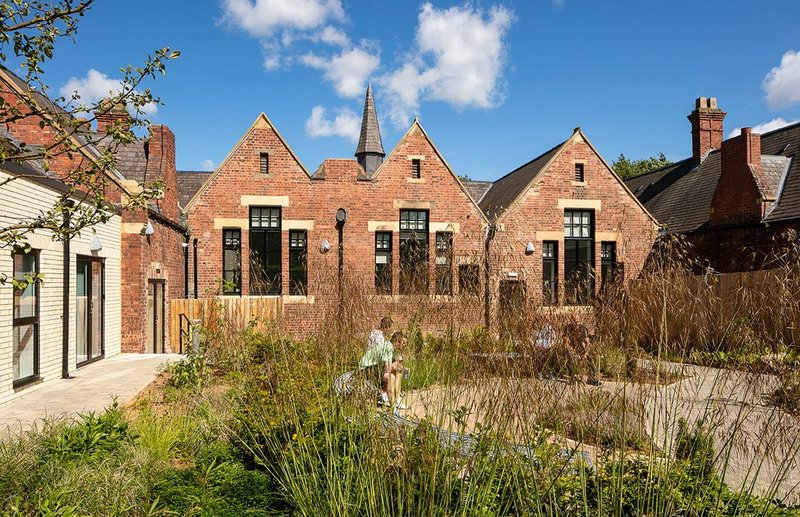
530	161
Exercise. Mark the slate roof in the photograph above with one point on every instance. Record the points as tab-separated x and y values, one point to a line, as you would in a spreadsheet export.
679	195
132	161
477	189
370	139
785	142
189	182
504	191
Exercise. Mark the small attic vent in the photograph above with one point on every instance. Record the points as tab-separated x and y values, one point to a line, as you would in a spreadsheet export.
264	163
416	173
579	177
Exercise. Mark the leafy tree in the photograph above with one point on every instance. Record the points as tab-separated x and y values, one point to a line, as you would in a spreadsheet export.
30	32
626	168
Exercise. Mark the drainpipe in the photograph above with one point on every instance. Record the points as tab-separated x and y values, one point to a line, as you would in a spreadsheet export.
65	299
195	267
185	246
487	309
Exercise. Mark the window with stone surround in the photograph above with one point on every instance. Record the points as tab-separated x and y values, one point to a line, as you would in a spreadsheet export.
298	262
383	262
265	250
413	251
578	256
444	263
232	260
550	272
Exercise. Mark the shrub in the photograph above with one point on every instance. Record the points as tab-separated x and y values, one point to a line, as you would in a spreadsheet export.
93	436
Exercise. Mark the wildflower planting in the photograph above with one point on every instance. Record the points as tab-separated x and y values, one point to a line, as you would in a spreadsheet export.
684	404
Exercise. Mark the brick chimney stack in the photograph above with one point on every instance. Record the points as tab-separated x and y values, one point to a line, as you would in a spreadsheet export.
108	115
738	198
707	128
160	153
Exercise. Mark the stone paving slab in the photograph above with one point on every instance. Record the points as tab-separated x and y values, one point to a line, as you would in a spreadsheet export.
93	388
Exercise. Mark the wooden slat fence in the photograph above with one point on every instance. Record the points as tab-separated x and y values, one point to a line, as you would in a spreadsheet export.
209	311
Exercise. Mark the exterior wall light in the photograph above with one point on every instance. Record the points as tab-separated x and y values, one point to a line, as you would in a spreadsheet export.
530	248
325	247
95	244
148	229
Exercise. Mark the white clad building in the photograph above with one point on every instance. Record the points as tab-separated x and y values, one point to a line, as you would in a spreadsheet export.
32	345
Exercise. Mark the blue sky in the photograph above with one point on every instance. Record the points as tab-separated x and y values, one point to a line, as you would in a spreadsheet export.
494	84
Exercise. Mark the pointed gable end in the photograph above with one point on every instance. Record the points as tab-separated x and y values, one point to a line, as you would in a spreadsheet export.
416	145
261	136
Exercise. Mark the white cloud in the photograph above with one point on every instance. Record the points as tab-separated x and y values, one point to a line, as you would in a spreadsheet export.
559	3
332	36
95	87
348	71
266	17
782	83
459	57
207	165
772	125
346	124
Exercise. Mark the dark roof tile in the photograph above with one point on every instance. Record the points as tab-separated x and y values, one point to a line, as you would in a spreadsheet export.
477	189
189	182
504	191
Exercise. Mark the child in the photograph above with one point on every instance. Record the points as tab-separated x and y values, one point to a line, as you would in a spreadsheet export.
395	377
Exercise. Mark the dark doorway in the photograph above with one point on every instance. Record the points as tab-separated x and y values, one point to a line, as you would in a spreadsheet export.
512	308
89	310
155	316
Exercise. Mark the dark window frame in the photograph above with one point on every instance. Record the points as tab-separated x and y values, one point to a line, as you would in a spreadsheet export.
298	262
550	272
414	251
383	271
610	269
444	271
236	271
270	233
579	268
32	321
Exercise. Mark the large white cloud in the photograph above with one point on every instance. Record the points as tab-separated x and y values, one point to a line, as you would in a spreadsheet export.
95	87
782	83
459	58
266	17
766	127
348	71
346	124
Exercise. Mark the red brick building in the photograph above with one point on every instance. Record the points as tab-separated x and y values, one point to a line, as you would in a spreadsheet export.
269	227
734	200
563	224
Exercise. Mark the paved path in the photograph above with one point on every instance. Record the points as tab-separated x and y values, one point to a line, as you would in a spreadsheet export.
757	445
93	388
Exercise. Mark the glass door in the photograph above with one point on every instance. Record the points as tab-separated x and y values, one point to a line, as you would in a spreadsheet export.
89	310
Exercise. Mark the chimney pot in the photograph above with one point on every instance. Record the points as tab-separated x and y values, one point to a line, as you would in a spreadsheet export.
707	128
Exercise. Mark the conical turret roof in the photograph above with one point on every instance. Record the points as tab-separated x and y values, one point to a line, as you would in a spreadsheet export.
370	139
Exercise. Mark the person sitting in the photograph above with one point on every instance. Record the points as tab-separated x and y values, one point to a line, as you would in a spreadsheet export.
377	359
396	371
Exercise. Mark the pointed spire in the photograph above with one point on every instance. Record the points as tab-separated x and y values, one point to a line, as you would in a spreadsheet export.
370	151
